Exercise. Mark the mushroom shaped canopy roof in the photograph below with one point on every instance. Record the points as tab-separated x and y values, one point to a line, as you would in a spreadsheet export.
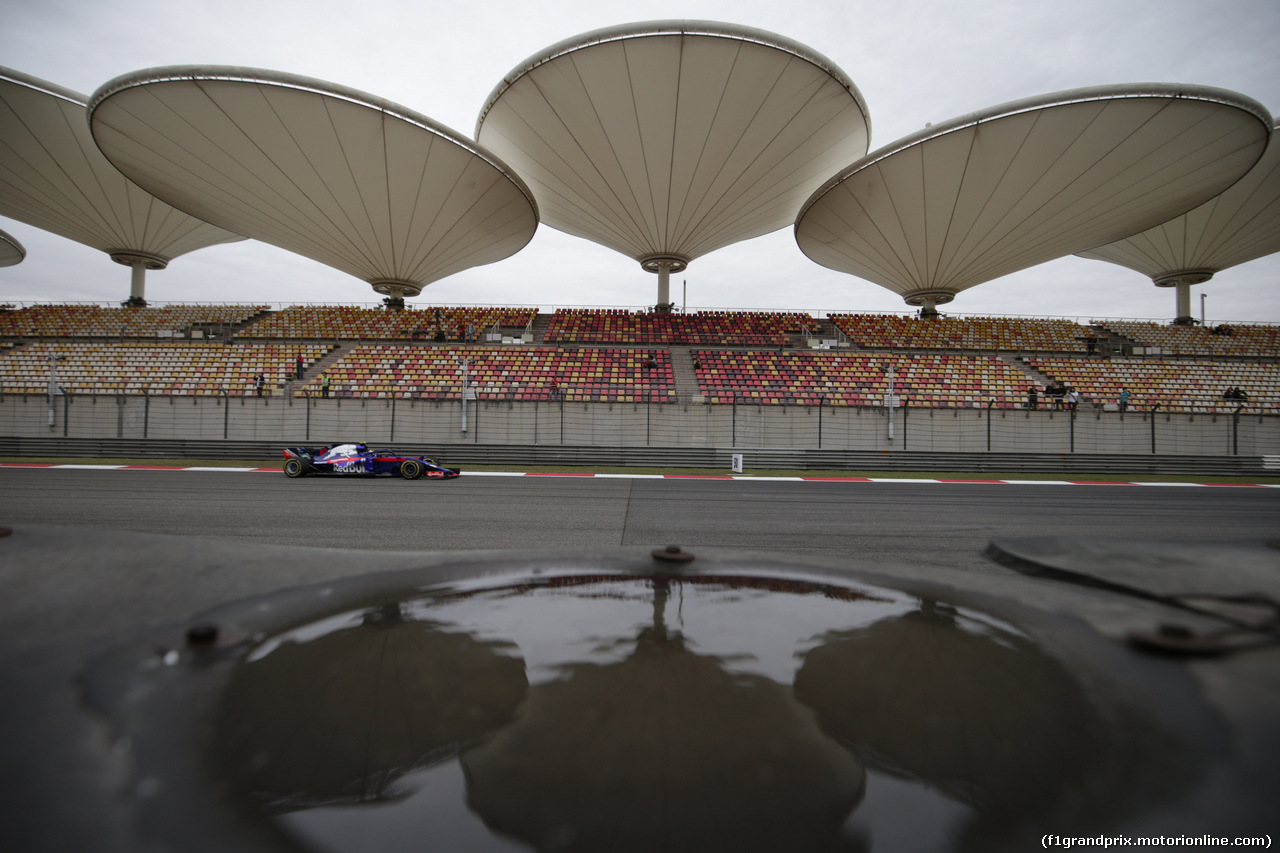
991	193
1240	225
671	139
336	175
53	177
11	251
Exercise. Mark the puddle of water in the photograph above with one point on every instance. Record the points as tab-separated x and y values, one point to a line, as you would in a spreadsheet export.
617	713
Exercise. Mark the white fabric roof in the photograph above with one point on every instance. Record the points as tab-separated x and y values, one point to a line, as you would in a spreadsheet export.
1016	185
1238	226
339	176
11	251
674	138
53	177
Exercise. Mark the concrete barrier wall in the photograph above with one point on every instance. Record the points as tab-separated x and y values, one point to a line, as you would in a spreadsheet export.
297	420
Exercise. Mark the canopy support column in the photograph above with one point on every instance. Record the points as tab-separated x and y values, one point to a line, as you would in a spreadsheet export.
928	300
664	266
139	262
396	291
138	284
1182	280
1184	317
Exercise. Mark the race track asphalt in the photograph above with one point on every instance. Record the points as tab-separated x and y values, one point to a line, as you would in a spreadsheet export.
940	524
76	578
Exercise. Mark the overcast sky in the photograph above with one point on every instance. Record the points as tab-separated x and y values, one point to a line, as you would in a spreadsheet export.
915	62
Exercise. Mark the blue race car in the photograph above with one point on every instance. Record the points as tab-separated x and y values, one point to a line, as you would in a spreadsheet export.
358	459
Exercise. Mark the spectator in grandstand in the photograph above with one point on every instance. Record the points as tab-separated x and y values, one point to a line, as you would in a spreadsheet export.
1073	399
471	333
649	363
324	386
1234	393
1124	399
1033	398
260	383
1091	345
1056	392
297	367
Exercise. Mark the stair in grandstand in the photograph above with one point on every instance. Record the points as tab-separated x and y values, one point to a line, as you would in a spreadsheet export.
1112	343
683	373
322	365
1034	377
541	322
821	329
227	331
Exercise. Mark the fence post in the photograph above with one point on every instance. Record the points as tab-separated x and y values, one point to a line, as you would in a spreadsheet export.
226	412
822	398
66	413
1071	428
990	403
1235	430
905	407
306	401
146	412
393	417
1154	409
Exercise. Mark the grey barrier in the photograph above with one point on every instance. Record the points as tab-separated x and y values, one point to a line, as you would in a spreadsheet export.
638	425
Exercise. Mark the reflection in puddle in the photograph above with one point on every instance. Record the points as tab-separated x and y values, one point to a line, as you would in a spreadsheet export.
613	713
340	717
664	750
972	710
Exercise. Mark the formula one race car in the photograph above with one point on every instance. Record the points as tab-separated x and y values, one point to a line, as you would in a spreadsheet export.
359	459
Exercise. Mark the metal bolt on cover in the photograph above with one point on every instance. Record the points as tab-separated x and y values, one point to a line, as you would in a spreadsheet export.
202	634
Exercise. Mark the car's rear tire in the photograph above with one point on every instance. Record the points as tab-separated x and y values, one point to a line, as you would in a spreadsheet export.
411	469
294	468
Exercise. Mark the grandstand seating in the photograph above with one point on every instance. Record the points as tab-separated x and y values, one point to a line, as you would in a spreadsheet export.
342	322
857	379
185	369
520	374
707	328
741	358
39	321
885	331
1244	341
1177	386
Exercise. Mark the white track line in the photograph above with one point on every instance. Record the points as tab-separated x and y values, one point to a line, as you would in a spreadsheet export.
959	481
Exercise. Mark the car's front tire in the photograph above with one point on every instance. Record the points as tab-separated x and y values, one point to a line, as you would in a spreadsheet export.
294	468
411	469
